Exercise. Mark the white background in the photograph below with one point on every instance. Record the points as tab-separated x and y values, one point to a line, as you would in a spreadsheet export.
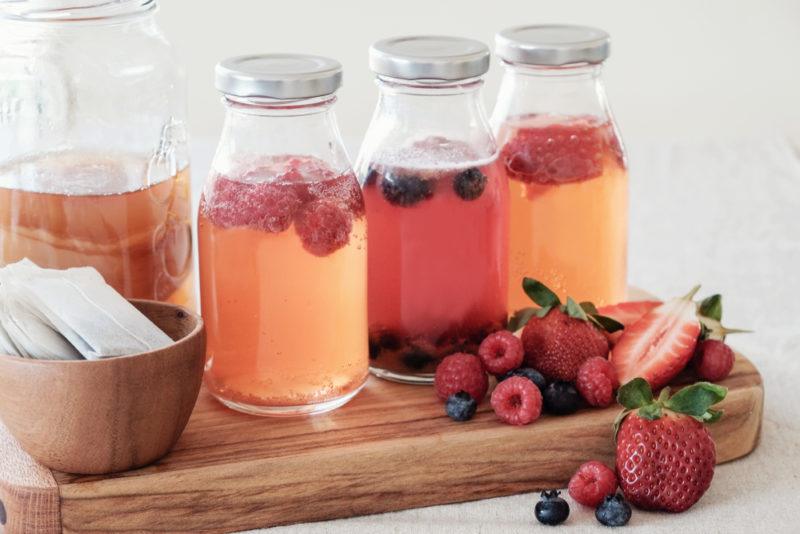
679	69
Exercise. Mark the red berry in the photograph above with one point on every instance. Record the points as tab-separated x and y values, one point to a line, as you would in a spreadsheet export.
517	401
323	226
591	483
713	360
461	372
560	152
501	352
556	345
664	464
262	205
343	189
596	381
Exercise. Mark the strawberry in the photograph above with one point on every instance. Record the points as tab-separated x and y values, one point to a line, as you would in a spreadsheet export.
626	313
558	338
660	344
665	456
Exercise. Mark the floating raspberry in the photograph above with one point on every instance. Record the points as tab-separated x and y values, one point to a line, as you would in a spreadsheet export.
591	483
517	401
265	206
323	226
713	360
556	153
501	352
596	381
343	189
461	372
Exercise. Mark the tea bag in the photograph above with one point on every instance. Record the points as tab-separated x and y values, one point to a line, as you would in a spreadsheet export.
47	312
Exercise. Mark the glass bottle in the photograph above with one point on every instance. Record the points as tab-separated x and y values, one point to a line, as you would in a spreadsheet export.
564	163
436	207
282	243
94	164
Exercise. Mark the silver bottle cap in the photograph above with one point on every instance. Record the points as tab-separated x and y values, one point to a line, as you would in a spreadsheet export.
282	76
552	44
429	57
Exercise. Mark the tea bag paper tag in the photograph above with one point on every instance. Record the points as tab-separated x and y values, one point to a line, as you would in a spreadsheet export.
77	303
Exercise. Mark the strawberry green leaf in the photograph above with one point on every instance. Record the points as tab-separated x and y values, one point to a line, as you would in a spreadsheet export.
696	399
589	308
618	422
541	312
635	394
711	416
650	412
711	307
539	293
573	310
520	318
607	323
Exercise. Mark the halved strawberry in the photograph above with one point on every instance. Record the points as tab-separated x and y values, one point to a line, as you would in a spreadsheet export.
626	313
660	344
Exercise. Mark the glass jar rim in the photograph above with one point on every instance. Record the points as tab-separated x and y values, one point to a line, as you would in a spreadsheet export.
55	11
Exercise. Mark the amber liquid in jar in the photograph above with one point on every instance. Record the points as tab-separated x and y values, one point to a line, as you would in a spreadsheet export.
139	240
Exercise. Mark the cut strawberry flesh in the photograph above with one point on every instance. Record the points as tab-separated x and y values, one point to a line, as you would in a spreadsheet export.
659	345
626	313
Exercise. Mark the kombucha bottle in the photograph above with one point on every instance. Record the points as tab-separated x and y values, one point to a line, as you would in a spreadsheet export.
436	207
282	243
561	155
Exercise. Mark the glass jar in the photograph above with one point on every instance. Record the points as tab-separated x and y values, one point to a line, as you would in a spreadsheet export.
436	207
282	243
564	163
93	151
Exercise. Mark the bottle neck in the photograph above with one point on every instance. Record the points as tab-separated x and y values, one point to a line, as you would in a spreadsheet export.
410	112
255	128
573	90
73	11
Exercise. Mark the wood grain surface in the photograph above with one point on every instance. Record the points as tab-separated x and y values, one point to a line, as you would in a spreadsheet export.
391	448
106	415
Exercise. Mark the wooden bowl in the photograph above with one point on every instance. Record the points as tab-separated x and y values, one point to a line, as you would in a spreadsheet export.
104	416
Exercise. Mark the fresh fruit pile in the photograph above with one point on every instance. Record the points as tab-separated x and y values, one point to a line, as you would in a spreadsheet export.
284	190
562	356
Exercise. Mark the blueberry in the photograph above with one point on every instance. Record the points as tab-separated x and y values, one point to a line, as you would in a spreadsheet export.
561	398
531	374
417	359
469	184
371	177
460	406
552	509
405	191
374	348
614	511
389	341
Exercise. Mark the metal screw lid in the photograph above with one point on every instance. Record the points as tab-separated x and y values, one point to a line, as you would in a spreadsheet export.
552	44
429	57
282	76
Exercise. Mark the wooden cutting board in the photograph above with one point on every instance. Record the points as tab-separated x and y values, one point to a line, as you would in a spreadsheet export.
391	448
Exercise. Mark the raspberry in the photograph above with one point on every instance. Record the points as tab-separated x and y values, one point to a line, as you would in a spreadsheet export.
501	352
461	372
265	206
713	360
556	153
469	184
596	381
323	226
343	189
517	401
591	483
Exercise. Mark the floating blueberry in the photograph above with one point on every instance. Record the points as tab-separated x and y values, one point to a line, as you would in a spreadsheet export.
460	406
469	184
614	511
561	398
552	509
531	374
405	191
